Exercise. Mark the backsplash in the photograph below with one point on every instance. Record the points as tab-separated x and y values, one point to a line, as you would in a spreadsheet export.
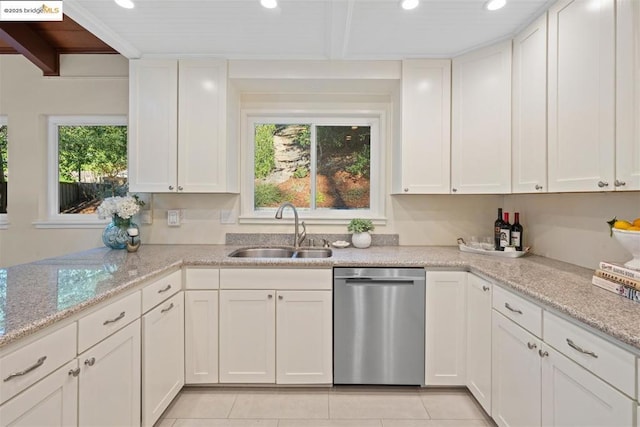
283	239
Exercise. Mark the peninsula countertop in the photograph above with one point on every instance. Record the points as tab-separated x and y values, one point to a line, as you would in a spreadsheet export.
39	294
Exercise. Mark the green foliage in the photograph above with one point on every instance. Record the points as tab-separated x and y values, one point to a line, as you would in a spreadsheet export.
303	136
359	225
266	194
361	166
301	172
264	160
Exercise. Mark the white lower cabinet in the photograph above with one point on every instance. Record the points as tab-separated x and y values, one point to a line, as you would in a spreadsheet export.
109	381
515	374
51	402
201	337
162	357
573	396
445	352
478	352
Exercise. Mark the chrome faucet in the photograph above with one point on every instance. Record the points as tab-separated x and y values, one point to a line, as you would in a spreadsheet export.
298	238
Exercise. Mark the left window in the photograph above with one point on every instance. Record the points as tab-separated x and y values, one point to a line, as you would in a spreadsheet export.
87	163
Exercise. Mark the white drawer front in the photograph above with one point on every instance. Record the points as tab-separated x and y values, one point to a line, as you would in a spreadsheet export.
605	359
524	313
158	291
202	278
25	366
98	325
276	279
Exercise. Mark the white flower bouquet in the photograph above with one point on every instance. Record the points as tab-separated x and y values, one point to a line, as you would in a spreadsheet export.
122	207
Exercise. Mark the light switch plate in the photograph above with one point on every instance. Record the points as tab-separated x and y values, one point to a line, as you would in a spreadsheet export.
173	218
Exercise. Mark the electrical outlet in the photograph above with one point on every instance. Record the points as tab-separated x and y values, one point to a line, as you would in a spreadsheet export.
173	218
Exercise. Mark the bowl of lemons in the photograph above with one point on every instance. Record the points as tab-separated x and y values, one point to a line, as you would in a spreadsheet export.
627	233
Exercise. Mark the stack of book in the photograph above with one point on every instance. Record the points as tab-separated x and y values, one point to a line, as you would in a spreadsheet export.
617	278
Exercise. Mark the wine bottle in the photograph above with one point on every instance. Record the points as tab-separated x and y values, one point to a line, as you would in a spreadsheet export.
517	232
505	232
496	230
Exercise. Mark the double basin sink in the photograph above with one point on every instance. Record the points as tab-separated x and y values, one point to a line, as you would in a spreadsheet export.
281	252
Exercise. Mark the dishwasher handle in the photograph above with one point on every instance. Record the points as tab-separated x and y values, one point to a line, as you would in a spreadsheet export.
379	281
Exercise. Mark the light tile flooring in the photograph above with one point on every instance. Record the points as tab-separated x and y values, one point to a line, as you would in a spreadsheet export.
324	407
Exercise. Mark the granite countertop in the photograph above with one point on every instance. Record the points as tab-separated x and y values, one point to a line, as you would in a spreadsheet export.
36	295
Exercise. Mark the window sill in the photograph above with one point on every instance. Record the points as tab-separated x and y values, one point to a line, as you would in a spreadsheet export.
73	223
377	221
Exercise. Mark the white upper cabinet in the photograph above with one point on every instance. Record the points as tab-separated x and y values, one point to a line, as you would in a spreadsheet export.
481	121
628	96
581	95
178	138
529	137
422	157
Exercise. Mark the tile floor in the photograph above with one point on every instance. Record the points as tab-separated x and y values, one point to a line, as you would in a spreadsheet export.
324	407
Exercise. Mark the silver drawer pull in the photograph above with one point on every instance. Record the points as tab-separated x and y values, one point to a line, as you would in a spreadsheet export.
90	362
29	369
580	349
161	291
543	353
120	316
531	346
74	372
164	310
485	288
508	307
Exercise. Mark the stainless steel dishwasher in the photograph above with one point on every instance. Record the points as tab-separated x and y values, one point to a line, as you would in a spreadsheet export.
378	326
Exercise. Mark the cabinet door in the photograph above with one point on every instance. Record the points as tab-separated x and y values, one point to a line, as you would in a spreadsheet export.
51	402
529	138
627	95
479	340
581	95
153	125
423	156
162	357
247	336
202	136
481	132
445	356
573	396
201	337
304	337
109	388
515	374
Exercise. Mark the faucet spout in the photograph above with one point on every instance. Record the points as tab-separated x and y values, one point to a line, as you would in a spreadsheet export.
297	237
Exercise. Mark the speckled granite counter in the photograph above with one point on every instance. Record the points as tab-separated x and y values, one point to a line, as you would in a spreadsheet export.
33	296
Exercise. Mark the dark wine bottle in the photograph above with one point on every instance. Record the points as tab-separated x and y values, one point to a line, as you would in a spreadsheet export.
505	232
517	232
496	230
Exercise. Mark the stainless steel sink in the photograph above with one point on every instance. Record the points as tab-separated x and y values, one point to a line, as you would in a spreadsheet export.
281	253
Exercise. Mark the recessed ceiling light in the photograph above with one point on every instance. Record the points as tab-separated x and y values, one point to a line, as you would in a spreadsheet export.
127	4
409	4
495	4
269	4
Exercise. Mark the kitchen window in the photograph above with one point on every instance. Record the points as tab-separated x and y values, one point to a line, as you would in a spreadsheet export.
87	163
328	167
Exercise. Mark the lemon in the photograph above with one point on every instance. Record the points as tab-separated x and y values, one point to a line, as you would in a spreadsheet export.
622	224
636	222
634	228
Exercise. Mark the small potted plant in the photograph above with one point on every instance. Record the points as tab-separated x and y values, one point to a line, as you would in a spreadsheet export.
360	229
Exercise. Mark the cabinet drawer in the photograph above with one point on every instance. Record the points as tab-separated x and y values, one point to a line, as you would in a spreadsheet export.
276	279
102	323
23	367
202	278
158	291
524	313
606	360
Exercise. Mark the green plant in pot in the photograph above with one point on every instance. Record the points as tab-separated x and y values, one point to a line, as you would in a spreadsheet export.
360	229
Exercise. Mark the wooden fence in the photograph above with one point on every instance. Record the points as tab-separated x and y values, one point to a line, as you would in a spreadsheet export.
73	195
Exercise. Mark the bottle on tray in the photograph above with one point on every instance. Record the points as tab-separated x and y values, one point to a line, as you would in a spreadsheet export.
496	230
517	232
505	232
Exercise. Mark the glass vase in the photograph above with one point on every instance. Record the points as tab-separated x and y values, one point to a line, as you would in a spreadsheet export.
115	234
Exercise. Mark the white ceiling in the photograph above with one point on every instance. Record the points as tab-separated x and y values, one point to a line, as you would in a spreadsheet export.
301	29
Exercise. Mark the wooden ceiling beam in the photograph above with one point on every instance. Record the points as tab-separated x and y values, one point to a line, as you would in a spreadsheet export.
26	41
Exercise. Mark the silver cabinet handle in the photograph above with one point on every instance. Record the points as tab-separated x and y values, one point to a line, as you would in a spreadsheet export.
90	362
543	353
74	372
580	349
508	307
455	190
163	290
164	310
36	365
280	297
619	183
538	187
180	188
269	296
531	345
120	316
406	190
485	288
171	187
603	184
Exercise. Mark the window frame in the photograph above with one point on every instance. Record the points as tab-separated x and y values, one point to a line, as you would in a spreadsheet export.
54	218
4	218
375	118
